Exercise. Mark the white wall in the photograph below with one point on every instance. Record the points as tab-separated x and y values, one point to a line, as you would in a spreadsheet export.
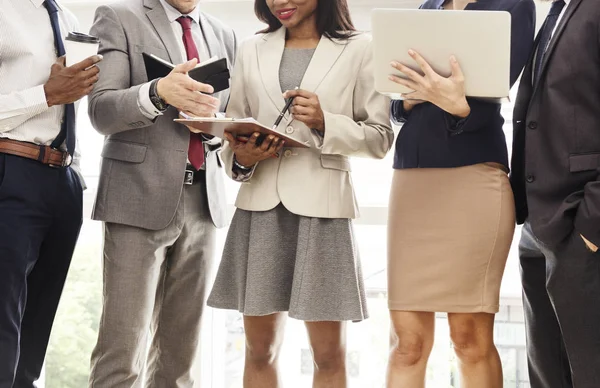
239	14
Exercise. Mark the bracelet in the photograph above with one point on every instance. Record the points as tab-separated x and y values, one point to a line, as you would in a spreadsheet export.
241	167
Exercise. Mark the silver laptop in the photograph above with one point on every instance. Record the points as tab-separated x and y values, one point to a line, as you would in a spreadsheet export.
480	40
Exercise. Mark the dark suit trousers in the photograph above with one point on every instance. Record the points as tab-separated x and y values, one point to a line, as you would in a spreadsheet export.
40	219
561	295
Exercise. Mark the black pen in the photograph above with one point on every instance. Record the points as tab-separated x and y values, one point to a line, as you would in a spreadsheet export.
285	109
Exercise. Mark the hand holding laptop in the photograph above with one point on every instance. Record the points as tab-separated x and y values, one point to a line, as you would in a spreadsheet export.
448	93
481	41
179	90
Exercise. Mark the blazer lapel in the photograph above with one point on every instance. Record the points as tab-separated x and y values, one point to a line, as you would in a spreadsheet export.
214	48
158	17
524	94
526	86
270	51
556	36
327	53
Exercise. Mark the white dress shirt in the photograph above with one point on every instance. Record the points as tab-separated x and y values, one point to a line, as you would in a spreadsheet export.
146	106
27	52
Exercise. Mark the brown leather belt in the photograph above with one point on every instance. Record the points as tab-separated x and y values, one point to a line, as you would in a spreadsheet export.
43	154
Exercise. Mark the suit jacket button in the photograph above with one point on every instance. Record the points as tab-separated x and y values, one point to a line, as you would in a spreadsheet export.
530	178
287	153
289	130
532	125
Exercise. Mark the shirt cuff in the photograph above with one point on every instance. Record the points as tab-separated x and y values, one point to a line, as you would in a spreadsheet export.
144	103
242	175
36	100
456	124
397	112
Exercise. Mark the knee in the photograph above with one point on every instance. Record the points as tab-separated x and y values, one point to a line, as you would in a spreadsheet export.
261	353
329	357
469	347
408	350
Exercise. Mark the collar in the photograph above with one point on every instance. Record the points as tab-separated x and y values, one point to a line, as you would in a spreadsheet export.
38	3
437	4
173	14
567	2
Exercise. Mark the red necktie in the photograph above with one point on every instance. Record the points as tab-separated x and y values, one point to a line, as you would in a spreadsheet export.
196	148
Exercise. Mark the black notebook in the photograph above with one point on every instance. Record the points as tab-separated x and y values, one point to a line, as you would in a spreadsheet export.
213	71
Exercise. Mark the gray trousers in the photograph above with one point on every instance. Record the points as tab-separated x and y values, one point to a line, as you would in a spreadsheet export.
561	295
155	285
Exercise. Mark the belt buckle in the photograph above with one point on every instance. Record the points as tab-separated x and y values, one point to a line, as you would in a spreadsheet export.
188	178
66	161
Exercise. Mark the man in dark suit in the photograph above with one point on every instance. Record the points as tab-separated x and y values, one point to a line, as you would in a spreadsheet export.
556	181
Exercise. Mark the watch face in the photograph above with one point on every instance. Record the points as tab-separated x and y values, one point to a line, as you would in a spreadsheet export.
158	103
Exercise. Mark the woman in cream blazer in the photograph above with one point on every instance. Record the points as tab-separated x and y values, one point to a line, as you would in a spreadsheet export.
311	182
291	247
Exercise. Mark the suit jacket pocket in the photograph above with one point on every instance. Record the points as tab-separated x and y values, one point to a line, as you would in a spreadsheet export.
126	152
584	162
335	162
160	52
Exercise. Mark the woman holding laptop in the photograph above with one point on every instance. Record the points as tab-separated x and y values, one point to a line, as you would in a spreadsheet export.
451	214
291	246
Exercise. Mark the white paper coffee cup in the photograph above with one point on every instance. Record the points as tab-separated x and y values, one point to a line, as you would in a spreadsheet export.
80	46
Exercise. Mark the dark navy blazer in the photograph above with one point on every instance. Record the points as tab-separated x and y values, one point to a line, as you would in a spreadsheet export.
432	138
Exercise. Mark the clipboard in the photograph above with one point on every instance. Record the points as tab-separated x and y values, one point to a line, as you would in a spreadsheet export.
217	126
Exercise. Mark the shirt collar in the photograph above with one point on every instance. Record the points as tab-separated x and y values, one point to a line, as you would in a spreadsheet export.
567	2
438	4
38	3
173	14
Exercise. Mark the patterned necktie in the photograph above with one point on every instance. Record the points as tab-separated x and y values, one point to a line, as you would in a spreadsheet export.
546	36
196	147
67	130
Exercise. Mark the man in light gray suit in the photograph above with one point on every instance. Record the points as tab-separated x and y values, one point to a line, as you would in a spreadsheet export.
161	192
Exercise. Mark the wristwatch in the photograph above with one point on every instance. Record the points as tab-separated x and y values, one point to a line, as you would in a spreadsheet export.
158	102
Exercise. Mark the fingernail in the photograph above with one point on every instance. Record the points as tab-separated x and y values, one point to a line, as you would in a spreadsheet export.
100	57
453	58
391	78
394	63
270	137
411	52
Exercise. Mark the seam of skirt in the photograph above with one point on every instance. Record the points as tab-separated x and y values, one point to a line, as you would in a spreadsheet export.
487	270
248	246
295	303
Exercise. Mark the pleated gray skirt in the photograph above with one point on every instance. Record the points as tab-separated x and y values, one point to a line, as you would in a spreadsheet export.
277	261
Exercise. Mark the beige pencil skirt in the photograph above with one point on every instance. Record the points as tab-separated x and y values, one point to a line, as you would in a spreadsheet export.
449	233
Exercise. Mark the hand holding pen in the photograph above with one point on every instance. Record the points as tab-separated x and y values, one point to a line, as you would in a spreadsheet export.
306	108
287	106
